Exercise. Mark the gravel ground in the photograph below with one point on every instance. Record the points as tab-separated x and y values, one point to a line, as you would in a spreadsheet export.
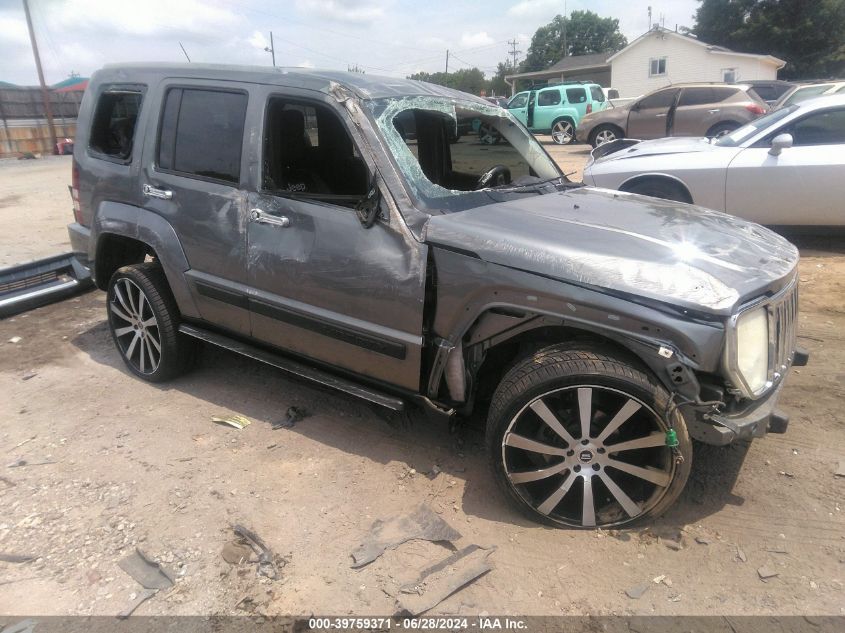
113	463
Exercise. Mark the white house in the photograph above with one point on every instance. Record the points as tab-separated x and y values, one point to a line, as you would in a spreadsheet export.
658	58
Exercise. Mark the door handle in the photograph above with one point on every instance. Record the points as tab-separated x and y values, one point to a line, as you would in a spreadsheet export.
257	215
659	116
716	111
153	192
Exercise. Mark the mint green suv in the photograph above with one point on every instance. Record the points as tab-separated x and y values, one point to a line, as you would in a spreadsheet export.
557	110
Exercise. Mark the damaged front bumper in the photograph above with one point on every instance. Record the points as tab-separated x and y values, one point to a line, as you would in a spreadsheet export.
755	419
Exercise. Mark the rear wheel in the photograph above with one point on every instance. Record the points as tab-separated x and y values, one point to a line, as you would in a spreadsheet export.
604	134
661	188
488	135
577	438
720	129
144	323
563	132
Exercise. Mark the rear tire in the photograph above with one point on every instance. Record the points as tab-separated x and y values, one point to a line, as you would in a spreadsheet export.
661	188
720	129
605	134
144	323
563	132
556	464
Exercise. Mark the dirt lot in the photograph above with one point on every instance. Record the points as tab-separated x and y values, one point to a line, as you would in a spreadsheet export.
113	463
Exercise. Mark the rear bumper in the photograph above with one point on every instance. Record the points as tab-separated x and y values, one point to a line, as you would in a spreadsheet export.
38	283
754	420
80	239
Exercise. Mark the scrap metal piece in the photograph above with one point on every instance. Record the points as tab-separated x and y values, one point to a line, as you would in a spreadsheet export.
145	595
235	421
38	283
146	572
422	523
267	562
441	580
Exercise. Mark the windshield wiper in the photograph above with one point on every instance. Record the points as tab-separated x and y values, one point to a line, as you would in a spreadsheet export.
528	187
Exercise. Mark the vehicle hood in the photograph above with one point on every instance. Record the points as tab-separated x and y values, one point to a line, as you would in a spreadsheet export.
658	147
665	251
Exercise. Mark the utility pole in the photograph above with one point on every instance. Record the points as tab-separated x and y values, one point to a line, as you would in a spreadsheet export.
45	95
271	49
513	52
447	61
184	51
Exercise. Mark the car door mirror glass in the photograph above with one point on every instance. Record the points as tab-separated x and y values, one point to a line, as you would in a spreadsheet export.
780	143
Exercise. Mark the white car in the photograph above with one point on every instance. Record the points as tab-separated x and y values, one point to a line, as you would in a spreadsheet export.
786	168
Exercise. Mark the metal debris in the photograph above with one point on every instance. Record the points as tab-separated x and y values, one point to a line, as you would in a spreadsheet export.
146	572
422	523
292	416
235	421
441	580
268	563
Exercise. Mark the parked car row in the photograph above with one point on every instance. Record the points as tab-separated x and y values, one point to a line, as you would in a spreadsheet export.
786	168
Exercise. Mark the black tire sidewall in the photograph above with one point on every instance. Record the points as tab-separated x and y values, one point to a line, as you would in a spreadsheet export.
638	384
594	135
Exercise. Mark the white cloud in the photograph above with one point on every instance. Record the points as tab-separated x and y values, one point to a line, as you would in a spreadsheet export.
258	40
13	30
306	63
535	8
474	40
356	11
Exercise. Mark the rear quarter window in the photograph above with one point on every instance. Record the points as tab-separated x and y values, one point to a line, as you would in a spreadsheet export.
597	94
548	98
112	134
576	95
201	133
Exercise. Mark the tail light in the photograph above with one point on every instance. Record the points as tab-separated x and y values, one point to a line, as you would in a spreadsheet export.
755	108
74	193
589	108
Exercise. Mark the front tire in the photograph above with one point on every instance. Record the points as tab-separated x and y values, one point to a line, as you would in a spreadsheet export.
604	134
144	323
577	438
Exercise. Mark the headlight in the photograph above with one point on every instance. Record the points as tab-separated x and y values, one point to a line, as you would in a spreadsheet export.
752	349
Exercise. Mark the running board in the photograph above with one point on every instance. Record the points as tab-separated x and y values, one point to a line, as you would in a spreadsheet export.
27	286
295	367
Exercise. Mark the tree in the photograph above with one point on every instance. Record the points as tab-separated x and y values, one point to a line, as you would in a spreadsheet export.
586	33
497	85
466	79
808	35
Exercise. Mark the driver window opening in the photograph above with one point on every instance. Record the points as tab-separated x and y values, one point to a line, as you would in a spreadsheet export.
309	153
480	157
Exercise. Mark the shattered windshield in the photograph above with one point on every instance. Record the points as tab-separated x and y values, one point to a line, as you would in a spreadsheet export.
460	155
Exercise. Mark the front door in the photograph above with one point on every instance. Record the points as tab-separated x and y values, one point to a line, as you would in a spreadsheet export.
518	107
802	185
322	285
648	118
192	178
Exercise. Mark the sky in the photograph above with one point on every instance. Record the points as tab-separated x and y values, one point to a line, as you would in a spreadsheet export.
382	37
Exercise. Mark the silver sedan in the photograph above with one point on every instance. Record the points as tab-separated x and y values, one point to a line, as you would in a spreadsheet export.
786	168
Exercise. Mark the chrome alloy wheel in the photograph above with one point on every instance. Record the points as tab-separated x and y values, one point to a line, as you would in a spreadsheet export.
563	132
605	136
135	326
588	455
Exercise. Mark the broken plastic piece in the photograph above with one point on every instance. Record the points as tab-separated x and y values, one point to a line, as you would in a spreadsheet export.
146	572
422	523
441	580
268	563
235	421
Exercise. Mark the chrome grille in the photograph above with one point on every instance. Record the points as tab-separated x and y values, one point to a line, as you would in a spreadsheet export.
783	318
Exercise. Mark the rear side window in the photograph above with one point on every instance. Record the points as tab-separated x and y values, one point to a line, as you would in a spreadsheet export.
113	128
695	96
576	95
202	133
548	97
597	94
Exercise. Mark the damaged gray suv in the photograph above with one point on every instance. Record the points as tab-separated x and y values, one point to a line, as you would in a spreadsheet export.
323	223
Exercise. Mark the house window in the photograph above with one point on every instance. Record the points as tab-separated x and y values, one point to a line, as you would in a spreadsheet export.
657	67
729	75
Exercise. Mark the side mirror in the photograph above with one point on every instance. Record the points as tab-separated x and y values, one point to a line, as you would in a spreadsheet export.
780	143
369	207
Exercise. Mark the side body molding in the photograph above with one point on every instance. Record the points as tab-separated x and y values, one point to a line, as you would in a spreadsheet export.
114	218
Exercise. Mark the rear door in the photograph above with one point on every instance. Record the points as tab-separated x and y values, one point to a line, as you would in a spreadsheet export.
322	285
803	185
547	109
648	117
698	110
192	177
